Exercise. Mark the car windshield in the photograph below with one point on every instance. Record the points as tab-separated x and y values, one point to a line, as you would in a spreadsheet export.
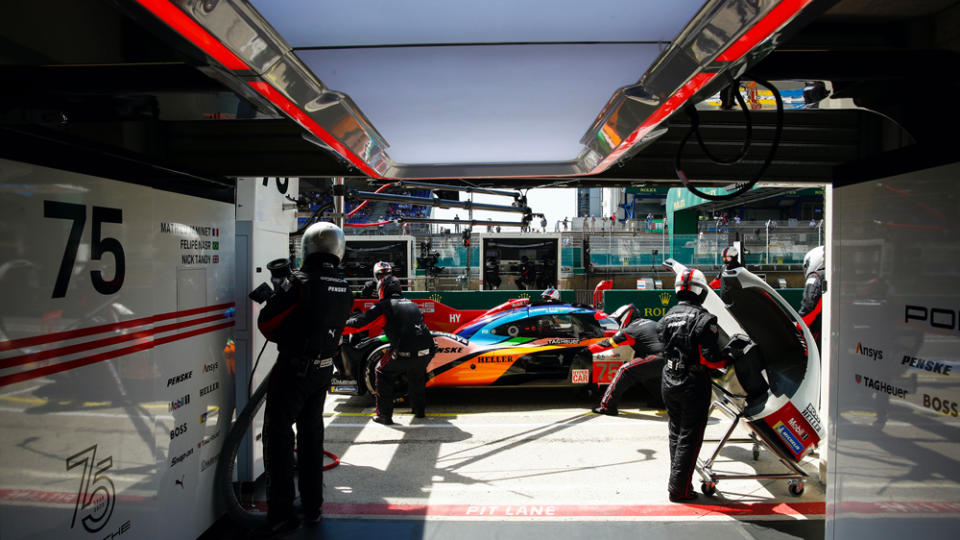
576	326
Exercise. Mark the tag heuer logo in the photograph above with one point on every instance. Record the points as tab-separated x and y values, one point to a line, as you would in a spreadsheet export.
858	379
664	298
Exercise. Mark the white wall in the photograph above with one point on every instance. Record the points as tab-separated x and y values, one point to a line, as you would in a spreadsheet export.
894	435
117	384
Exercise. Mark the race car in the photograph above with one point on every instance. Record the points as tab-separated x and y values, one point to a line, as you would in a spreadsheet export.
515	344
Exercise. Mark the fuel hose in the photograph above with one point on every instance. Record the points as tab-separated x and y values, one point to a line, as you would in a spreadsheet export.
226	464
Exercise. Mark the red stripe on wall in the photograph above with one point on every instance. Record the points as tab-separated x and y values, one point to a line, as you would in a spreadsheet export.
87	360
98	343
81	332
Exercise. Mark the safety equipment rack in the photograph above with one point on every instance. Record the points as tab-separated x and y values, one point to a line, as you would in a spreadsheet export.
724	401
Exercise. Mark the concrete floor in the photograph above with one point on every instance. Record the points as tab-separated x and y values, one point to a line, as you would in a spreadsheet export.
535	463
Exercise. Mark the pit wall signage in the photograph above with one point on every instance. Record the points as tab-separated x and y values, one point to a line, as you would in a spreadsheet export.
655	304
116	356
895	389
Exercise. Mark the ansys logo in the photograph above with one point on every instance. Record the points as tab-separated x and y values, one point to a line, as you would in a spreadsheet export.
665	298
873	354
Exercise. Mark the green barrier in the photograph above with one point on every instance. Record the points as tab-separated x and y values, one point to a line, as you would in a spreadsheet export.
483	299
655	304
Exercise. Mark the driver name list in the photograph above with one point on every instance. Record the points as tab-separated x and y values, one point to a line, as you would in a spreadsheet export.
194	242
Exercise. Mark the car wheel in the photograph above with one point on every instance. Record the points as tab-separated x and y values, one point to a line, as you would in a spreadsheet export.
370	375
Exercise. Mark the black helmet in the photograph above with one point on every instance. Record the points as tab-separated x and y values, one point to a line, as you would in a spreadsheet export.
389	287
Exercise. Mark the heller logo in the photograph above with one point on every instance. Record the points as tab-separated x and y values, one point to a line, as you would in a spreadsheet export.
665	298
177	403
179	378
882	386
811	414
211	367
873	354
209	388
494	359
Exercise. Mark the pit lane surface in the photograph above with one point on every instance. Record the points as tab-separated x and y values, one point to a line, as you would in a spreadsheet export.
536	463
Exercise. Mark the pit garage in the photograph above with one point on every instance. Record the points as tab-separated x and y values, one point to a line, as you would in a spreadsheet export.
157	155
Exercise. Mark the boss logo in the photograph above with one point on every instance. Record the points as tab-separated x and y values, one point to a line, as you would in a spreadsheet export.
178	431
936	317
940	405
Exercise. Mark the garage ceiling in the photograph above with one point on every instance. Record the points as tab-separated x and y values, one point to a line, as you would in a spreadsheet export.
493	94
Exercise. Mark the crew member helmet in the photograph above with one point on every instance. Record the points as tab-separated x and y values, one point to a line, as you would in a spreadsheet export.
813	261
389	287
692	286
381	270
323	238
551	294
731	253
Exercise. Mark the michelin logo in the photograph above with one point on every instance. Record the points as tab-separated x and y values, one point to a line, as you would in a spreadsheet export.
788	437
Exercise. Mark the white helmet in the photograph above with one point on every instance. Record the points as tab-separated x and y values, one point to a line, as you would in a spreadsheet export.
551	294
691	286
813	261
323	238
731	251
381	270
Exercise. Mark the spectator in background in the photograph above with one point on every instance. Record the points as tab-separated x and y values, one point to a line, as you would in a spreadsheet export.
489	227
565	222
456	224
649	222
613	221
543	223
498	228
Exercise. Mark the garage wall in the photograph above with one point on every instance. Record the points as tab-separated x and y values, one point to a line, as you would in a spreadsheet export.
894	434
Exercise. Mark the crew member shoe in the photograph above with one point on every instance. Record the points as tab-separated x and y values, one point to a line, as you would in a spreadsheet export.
313	516
419	413
690	496
609	412
385	420
278	529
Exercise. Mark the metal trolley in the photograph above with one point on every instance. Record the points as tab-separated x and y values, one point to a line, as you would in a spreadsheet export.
727	403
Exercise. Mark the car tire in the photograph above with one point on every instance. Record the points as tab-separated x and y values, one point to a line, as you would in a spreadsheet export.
370	375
